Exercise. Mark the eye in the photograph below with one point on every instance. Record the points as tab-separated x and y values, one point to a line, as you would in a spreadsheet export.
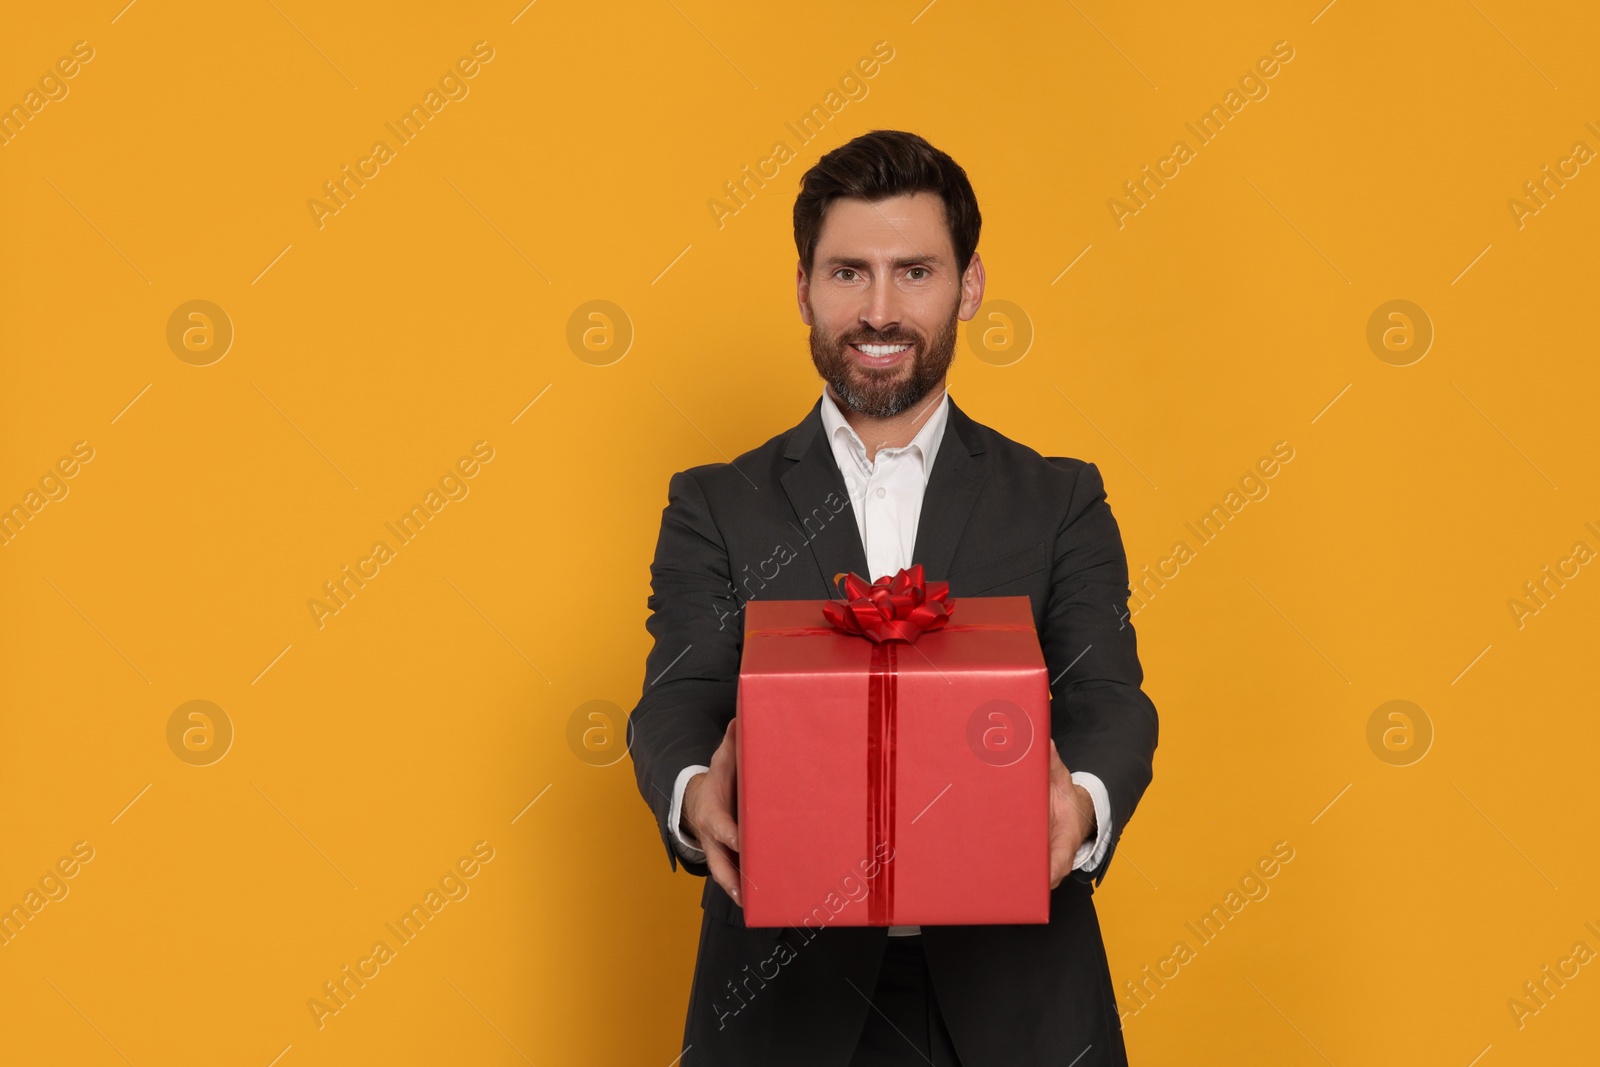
843	271
918	273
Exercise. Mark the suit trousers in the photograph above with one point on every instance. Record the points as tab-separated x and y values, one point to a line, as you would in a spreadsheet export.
904	1026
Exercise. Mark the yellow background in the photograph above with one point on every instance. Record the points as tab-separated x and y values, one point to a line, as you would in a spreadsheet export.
427	715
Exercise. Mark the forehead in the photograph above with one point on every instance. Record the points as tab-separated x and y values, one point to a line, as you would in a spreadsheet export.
911	224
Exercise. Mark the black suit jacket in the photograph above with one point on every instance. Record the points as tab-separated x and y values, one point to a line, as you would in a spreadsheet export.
998	519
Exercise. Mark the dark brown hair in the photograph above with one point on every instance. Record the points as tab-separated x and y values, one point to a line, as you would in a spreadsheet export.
877	166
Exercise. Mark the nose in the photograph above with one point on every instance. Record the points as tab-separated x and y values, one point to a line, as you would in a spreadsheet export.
882	308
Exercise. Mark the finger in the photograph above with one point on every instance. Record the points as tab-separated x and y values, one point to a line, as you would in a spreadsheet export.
724	830
719	816
720	860
726	757
727	739
725	847
727	805
1059	867
724	872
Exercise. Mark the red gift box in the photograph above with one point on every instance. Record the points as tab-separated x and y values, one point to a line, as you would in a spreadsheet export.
892	782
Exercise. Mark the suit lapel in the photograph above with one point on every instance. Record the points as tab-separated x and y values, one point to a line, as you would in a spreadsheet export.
959	471
836	545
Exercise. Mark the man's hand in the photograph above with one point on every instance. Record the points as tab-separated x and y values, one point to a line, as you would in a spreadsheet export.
708	814
1072	819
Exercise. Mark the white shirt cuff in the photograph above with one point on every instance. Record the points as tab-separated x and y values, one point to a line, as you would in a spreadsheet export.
1090	853
689	847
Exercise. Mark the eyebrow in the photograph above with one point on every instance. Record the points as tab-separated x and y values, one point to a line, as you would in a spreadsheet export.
904	261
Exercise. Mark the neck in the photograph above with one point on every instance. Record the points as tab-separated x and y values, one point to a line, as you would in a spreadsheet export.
895	431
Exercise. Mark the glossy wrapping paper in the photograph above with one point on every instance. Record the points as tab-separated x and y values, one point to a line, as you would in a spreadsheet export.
893	783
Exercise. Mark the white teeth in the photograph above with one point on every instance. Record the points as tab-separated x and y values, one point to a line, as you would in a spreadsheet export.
882	350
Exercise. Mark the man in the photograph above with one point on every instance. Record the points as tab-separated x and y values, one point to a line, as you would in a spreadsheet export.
883	472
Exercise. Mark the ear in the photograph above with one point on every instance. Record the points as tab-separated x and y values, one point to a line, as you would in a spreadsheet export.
972	282
802	292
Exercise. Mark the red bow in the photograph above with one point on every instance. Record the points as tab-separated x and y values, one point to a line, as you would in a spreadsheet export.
898	608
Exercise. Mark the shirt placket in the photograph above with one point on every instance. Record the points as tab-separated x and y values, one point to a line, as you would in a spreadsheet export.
883	538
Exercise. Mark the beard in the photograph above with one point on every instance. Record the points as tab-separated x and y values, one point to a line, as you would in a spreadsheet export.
882	393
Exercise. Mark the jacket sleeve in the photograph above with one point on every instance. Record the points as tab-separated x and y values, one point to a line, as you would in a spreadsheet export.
692	671
1101	720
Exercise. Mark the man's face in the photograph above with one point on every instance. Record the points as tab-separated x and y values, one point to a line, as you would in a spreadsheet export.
883	299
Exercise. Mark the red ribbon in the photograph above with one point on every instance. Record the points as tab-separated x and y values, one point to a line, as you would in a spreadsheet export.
883	706
898	608
890	610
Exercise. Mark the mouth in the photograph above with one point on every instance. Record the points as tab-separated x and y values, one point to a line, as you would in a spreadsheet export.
880	355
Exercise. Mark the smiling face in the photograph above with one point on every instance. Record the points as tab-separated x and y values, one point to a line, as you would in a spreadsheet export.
882	301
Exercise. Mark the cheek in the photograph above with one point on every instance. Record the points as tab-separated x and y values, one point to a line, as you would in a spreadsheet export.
931	319
831	320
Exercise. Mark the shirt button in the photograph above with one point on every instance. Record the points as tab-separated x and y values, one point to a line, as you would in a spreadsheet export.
881	491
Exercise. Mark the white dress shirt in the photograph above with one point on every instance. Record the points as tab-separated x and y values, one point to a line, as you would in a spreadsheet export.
886	497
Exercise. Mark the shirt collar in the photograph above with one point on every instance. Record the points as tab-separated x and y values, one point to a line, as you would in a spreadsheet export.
926	442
